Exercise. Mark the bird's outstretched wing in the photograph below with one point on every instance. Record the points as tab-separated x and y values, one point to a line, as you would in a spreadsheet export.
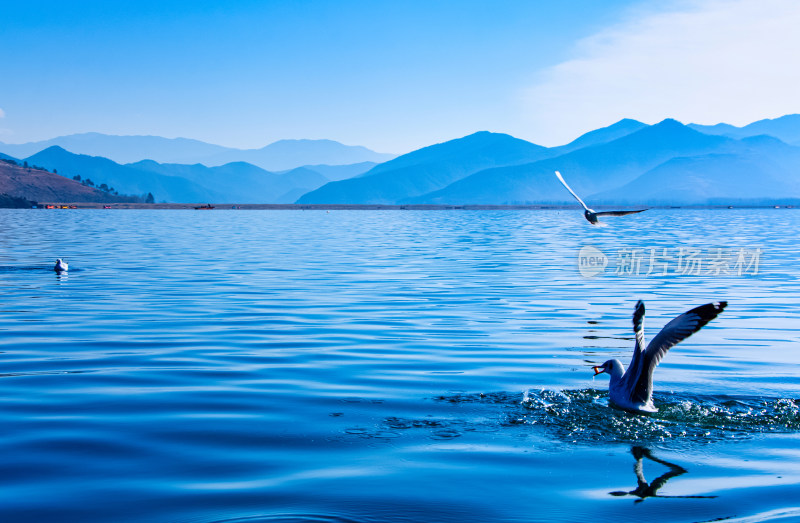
637	360
673	332
561	179
618	213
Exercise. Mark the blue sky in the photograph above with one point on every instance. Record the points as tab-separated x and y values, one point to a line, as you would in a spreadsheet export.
392	76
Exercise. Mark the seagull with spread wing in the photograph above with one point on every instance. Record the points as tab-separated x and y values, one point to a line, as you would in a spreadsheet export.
590	214
632	389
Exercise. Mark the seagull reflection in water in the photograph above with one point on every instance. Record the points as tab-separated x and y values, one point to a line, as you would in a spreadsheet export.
649	490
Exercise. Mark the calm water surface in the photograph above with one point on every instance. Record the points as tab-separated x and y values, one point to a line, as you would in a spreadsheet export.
369	366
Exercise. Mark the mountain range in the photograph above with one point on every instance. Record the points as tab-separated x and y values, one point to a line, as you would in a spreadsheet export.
588	170
427	169
627	163
786	128
39	185
277	156
239	182
235	182
758	168
411	177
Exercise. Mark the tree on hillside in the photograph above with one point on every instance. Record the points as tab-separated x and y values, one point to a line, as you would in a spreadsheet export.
150	198
77	177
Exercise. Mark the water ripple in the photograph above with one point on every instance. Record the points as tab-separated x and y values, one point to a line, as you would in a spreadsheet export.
584	416
268	365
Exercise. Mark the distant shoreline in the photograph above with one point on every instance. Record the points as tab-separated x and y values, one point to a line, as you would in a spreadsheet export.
340	207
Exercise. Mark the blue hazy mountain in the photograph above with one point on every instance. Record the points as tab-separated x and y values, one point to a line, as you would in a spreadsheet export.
38	185
236	182
708	179
627	162
281	155
121	149
288	154
427	169
125	179
758	169
785	128
720	129
240	182
335	173
588	170
613	132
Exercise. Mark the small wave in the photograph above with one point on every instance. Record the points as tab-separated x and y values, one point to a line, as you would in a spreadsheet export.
40	268
772	515
584	416
43	373
288	518
11	268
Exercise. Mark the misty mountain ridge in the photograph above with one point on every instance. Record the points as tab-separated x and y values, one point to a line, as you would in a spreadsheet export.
628	163
600	166
495	169
703	179
234	182
786	128
427	169
32	184
602	135
125	179
588	170
335	173
280	155
288	154
121	149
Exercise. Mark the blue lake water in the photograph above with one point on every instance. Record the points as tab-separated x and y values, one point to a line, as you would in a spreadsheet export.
370	366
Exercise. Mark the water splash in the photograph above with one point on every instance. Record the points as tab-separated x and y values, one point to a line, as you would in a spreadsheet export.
584	416
587	415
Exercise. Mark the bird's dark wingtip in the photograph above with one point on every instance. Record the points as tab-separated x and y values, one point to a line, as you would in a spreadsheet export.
708	312
638	316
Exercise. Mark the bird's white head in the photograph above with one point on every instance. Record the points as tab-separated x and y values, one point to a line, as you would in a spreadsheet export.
612	367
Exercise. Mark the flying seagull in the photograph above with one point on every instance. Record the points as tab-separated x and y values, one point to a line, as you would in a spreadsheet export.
61	266
591	214
633	389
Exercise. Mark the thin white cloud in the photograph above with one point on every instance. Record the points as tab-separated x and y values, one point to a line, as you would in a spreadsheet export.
2	114
702	61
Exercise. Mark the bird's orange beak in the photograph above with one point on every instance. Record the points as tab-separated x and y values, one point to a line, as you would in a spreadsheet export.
598	370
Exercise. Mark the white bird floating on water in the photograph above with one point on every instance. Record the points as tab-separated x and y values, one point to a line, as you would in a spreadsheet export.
61	266
633	389
590	214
